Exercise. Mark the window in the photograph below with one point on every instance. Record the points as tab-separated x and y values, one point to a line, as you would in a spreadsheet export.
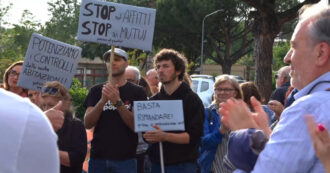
80	71
205	86
89	71
92	77
101	71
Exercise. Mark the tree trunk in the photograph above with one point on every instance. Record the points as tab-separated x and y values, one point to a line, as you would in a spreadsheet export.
226	67
265	31
264	56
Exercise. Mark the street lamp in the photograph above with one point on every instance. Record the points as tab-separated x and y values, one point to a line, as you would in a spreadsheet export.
202	49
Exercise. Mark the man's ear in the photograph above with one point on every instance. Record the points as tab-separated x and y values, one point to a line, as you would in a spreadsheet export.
323	53
127	63
178	73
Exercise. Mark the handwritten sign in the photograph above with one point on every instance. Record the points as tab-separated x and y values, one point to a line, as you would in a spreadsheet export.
116	24
48	60
167	114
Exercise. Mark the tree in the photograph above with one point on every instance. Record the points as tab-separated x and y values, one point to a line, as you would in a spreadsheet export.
268	19
179	23
14	41
63	25
178	26
279	51
78	95
23	31
229	34
3	13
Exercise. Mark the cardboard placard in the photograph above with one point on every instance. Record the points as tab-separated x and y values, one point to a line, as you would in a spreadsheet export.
48	60
167	114
116	24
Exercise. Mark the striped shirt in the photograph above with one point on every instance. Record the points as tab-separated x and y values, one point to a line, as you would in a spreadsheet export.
218	164
290	149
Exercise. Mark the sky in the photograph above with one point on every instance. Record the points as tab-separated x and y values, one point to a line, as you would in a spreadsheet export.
38	9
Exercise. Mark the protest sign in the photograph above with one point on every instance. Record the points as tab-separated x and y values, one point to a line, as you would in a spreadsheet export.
167	114
48	60
116	24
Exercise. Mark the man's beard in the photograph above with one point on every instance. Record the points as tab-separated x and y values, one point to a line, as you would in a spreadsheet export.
119	73
172	78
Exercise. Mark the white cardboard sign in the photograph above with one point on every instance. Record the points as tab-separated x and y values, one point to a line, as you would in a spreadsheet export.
48	60
167	114
116	24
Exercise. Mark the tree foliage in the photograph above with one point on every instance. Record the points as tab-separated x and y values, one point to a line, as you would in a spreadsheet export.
179	24
78	95
269	17
63	25
229	34
14	40
279	51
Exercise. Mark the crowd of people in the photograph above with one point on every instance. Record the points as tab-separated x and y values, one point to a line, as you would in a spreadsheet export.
238	132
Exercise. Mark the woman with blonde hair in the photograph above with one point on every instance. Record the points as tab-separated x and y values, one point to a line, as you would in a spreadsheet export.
214	143
72	141
10	79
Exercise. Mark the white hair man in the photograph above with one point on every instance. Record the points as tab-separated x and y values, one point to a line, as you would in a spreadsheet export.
132	74
152	78
290	148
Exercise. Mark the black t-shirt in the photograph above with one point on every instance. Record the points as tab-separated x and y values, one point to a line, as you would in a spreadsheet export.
193	112
72	139
113	139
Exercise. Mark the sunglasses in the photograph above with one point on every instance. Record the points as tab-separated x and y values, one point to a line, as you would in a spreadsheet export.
49	90
276	76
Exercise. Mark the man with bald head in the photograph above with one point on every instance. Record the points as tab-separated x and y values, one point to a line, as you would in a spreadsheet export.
282	84
132	74
153	81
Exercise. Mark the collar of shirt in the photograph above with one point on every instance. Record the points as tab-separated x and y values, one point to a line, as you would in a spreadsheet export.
320	87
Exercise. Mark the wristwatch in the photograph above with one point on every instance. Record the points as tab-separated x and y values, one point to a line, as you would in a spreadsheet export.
118	103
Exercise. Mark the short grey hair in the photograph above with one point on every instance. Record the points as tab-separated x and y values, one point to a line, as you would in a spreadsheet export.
136	70
149	71
319	26
285	72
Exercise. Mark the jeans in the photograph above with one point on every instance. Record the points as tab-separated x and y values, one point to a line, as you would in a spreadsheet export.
111	166
187	167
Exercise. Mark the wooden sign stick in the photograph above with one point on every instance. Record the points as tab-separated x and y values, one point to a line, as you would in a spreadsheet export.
111	61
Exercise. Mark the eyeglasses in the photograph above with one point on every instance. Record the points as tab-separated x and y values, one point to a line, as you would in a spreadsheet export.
226	90
49	90
13	73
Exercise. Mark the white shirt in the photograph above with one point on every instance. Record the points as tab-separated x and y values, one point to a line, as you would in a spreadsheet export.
290	149
28	143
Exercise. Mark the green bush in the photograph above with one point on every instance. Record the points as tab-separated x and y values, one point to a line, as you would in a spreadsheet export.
78	94
279	52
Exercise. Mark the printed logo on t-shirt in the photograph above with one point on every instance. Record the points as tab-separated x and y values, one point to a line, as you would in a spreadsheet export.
109	106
